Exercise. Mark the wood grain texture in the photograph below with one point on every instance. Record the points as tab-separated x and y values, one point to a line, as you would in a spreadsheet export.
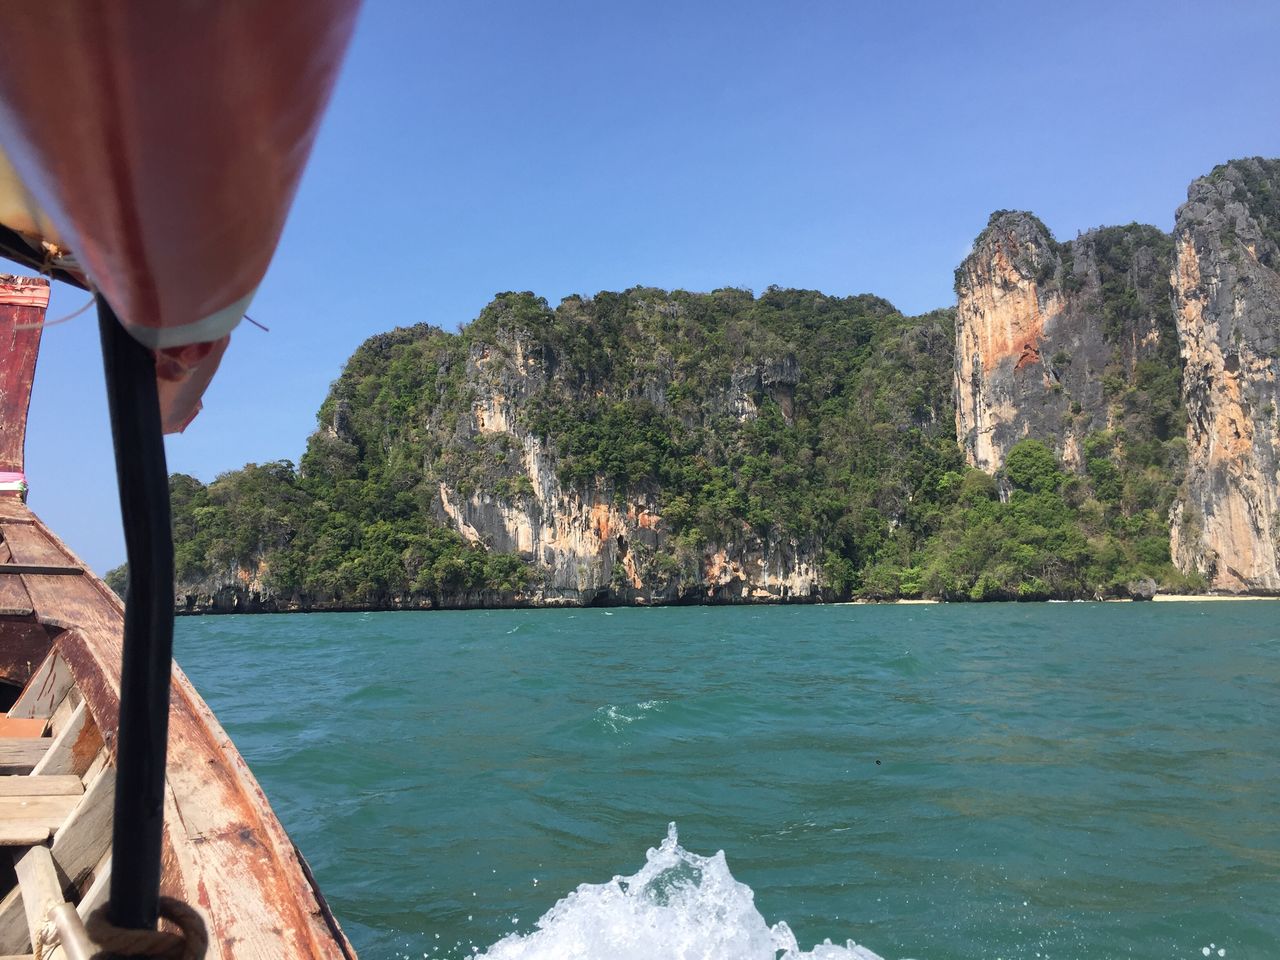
98	892
46	786
74	747
13	510
80	843
85	837
45	690
27	545
13	595
13	918
41	890
14	727
63	712
99	762
23	833
14	601
21	754
51	808
22	305
24	644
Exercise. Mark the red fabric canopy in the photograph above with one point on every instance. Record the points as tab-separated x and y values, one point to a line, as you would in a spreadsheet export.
163	140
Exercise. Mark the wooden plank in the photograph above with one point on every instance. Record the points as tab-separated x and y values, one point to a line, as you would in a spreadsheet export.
74	747
23	833
48	569
95	768
45	690
77	848
45	904
23	301
21	754
86	836
24	644
21	749
99	891
13	510
13	919
41	889
46	786
28	545
52	809
14	600
64	711
22	727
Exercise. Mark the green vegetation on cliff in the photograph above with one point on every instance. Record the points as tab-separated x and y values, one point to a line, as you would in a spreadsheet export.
825	420
1055	535
812	415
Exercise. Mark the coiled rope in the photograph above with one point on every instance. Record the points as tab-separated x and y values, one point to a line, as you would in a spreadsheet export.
111	940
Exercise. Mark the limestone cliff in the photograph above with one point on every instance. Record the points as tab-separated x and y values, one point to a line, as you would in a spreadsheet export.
1227	303
1049	335
594	542
639	447
654	446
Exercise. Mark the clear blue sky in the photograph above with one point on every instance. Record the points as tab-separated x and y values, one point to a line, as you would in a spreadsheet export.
571	147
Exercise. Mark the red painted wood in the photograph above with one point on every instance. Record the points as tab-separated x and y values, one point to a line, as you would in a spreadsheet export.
22	305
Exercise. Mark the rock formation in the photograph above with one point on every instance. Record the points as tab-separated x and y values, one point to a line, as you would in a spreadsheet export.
628	448
668	447
1227	303
595	543
1045	331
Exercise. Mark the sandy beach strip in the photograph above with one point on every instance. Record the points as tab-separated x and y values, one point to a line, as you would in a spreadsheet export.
1203	597
1158	598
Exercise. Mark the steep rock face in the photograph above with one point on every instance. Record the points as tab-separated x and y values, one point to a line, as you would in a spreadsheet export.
637	447
1046	331
1227	304
775	378
592	542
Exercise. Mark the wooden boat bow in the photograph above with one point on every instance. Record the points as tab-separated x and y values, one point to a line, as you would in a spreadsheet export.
149	151
223	851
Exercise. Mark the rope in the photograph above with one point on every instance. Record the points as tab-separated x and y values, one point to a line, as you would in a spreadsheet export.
121	941
55	322
47	937
69	316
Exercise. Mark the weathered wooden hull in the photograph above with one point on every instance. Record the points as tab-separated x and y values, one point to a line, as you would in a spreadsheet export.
225	852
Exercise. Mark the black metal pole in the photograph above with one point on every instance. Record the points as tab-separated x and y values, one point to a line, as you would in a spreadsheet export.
143	734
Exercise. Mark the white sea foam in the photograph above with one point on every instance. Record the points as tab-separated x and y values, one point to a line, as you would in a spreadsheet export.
615	719
678	906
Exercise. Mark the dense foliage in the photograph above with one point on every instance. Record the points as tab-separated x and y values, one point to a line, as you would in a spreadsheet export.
824	419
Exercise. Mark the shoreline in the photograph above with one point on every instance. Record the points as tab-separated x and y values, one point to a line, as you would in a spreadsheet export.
196	611
1204	597
1158	598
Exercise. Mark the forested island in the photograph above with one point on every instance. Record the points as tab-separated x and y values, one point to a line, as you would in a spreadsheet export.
1092	418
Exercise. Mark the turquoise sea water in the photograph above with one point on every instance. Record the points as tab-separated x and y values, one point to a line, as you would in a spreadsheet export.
936	782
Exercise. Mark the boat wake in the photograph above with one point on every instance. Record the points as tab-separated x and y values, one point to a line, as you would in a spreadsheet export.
678	905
